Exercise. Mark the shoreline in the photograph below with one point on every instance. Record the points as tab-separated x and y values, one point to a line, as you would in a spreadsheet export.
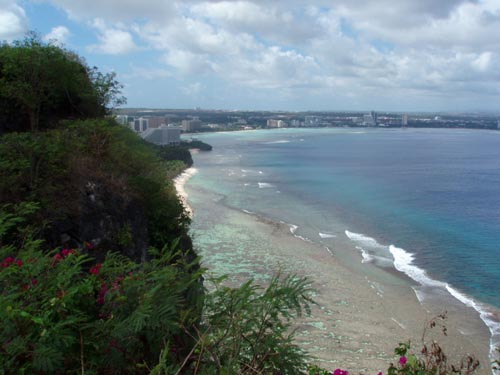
179	184
360	317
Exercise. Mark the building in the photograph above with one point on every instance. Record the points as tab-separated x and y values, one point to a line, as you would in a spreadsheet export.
191	125
374	117
498	124
311	121
368	120
157	121
123	119
404	120
139	125
276	123
163	135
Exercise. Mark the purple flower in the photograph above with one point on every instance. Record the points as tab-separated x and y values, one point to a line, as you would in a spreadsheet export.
402	361
340	372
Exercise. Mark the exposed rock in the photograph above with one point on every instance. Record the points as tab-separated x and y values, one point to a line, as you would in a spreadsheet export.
104	220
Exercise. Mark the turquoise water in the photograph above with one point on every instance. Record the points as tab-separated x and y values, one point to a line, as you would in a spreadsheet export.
425	202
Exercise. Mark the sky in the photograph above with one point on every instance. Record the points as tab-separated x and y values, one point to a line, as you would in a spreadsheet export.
384	55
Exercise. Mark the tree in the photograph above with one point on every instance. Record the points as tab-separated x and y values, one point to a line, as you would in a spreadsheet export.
41	84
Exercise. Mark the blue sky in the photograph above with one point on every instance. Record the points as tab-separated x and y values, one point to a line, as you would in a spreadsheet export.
405	55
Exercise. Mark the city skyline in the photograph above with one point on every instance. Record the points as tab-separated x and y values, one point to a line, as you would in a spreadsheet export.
407	56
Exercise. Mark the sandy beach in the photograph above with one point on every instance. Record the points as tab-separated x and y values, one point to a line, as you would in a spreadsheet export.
179	183
362	313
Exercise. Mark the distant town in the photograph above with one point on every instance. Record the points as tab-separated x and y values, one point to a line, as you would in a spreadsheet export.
162	126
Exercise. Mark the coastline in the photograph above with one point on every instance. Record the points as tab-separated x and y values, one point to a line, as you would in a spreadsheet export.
179	184
360	317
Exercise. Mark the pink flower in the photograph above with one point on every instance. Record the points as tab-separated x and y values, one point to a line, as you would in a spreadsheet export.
66	252
340	372
380	373
402	361
9	261
96	269
102	294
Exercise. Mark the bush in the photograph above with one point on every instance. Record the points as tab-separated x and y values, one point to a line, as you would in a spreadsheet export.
62	314
431	360
55	168
248	330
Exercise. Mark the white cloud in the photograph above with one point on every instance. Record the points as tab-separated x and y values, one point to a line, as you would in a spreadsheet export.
113	41
117	10
59	34
270	68
192	89
13	21
483	62
187	62
417	48
270	21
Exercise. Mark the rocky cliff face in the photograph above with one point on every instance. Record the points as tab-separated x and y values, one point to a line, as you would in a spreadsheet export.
103	220
97	187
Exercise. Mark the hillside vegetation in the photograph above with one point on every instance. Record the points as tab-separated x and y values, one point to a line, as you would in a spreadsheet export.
97	271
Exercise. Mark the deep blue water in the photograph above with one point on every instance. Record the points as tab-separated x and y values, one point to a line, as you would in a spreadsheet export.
434	193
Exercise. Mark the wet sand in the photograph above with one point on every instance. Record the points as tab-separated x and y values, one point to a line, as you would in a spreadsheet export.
362	312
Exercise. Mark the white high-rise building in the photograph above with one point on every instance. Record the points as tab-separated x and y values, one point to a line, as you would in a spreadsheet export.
139	124
164	135
368	120
404	120
271	123
311	121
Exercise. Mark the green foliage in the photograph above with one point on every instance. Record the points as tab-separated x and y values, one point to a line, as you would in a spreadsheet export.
41	84
247	330
53	168
107	89
174	168
124	236
60	315
170	153
181	153
316	370
200	145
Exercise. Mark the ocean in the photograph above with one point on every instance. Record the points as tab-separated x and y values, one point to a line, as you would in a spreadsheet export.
424	202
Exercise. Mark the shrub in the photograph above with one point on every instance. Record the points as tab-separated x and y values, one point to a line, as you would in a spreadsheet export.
63	314
248	330
54	168
431	360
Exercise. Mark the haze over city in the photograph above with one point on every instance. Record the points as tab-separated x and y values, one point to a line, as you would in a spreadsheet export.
407	55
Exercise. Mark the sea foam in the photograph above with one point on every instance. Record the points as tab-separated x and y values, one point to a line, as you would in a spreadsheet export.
365	242
278	142
265	185
403	261
293	230
326	235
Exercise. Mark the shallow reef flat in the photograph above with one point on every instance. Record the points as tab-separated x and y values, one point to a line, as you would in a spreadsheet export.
362	312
